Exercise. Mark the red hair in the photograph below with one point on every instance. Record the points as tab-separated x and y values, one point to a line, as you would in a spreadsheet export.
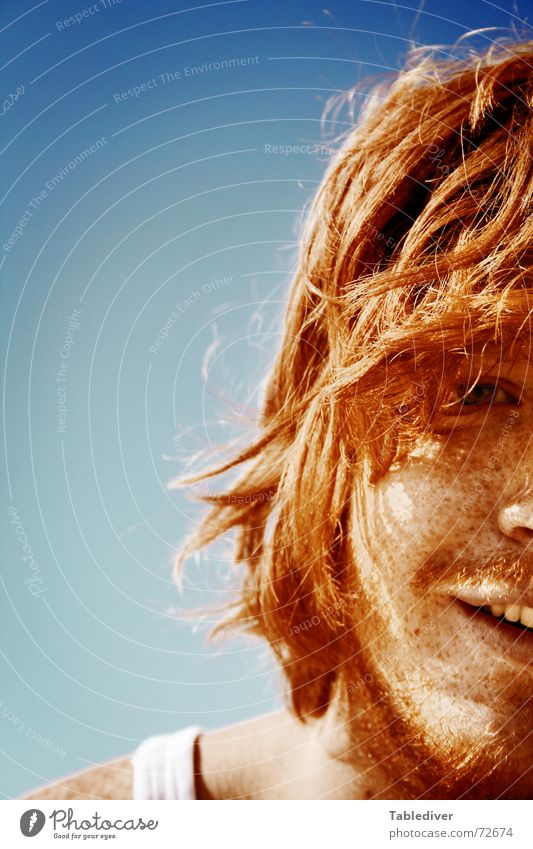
416	252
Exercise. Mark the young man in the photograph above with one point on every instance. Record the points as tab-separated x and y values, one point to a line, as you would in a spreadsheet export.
385	512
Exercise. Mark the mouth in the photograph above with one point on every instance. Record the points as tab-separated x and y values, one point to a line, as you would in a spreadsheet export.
505	624
514	614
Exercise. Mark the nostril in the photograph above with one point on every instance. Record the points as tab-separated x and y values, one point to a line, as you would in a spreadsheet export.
524	535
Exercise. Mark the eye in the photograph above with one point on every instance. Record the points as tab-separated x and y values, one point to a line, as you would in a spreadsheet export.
482	394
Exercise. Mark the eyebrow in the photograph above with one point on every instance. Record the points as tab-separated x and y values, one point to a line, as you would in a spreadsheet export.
500	363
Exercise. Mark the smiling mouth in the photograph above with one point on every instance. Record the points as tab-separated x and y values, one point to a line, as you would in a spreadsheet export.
513	614
503	617
511	608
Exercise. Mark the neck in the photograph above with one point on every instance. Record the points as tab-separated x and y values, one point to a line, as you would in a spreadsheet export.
278	757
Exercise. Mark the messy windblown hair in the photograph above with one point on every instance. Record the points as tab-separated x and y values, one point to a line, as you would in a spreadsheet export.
416	252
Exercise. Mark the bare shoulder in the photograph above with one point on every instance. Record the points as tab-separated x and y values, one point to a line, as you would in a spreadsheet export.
113	780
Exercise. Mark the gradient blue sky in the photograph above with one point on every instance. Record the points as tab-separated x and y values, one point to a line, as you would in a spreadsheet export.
181	208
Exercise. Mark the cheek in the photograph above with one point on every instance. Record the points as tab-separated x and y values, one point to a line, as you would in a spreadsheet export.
442	501
413	513
441	496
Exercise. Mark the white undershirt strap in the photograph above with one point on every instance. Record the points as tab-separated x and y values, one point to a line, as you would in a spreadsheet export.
163	766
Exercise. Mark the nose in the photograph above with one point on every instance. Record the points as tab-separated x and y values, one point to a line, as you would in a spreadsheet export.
515	517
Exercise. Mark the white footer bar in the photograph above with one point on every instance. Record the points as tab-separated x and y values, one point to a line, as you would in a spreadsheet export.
268	824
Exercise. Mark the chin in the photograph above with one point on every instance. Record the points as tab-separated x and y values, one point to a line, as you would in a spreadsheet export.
473	752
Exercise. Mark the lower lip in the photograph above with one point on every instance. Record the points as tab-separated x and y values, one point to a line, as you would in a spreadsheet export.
509	641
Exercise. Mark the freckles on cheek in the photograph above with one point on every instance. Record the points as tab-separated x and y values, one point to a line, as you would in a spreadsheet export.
415	512
414	507
438	485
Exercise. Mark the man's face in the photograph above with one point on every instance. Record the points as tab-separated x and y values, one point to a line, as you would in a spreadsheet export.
444	549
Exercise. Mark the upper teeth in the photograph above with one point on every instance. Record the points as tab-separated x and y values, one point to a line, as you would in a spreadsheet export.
514	613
